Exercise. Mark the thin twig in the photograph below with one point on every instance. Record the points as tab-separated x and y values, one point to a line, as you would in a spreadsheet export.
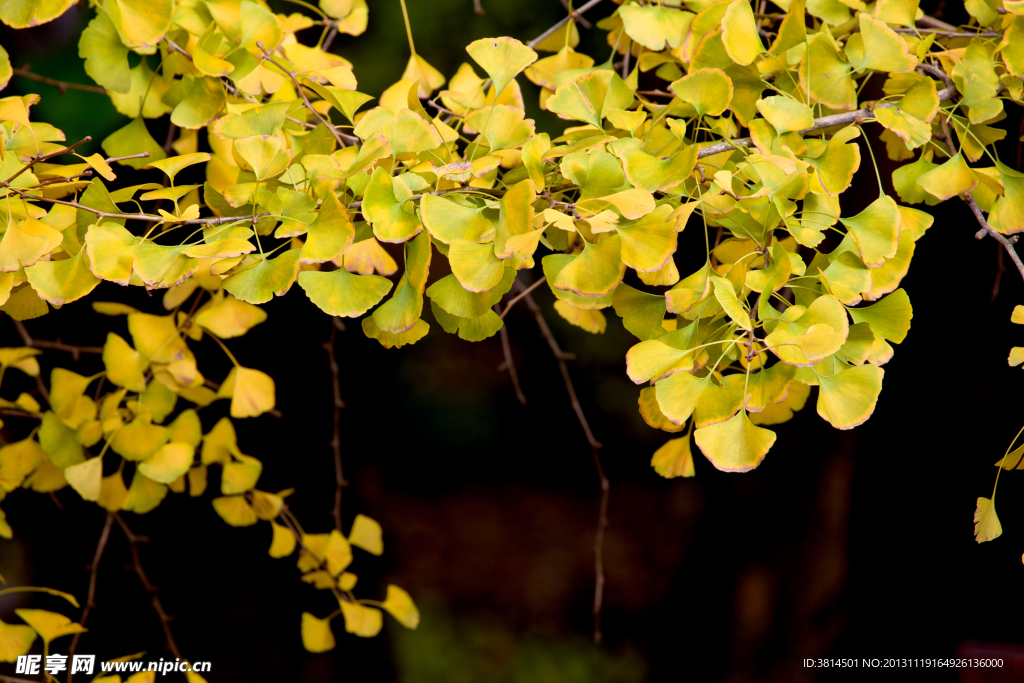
58	345
570	17
578	19
158	607
522	294
447	112
339	475
949	34
62	86
44	157
479	9
509	364
330	37
90	599
602	520
819	124
979	215
302	94
935	23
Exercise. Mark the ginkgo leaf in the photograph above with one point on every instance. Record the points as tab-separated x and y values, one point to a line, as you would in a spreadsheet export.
49	625
825	76
170	462
736	445
475	265
227	317
501	58
739	33
392	217
986	521
15	640
251	391
785	113
283	542
61	282
884	49
399	605
674	459
708	90
655	26
361	620
235	510
889	318
847	399
316	634
876	230
447	220
366	534
343	294
588	97
949	179
85	478
266	278
805	336
595	272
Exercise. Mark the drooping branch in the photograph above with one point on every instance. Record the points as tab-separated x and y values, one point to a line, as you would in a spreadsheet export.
979	215
339	474
90	599
595	445
509	363
75	351
151	590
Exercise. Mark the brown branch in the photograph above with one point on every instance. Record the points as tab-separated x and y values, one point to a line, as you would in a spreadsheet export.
330	36
979	215
175	48
949	34
522	294
62	86
572	16
302	94
935	23
602	519
508	363
158	607
339	475
447	112
90	600
819	124
578	19
44	157
58	345
479	9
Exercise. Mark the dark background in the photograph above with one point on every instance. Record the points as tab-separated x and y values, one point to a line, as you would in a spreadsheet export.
841	544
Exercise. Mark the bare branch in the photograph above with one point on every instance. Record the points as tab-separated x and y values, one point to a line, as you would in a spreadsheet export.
339	475
522	294
950	34
570	17
158	607
602	520
90	599
62	86
578	19
509	364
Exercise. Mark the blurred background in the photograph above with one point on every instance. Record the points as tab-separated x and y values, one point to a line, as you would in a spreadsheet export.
841	544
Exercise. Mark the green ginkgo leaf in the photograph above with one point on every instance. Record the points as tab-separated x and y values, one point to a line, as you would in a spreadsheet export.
265	119
106	57
390	340
648	243
28	13
386	207
588	97
785	114
736	445
265	278
406	130
595	272
876	230
847	399
825	77
452	298
447	220
330	234
651	173
884	49
679	393
889	318
25	243
642	313
61	282
501	58
503	126
1007	214
342	293
739	33
475	265
265	155
159	265
708	90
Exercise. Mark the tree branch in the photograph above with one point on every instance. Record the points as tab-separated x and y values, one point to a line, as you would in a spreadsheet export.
302	94
949	34
602	519
819	124
62	86
90	600
522	294
158	607
339	475
578	19
58	345
508	363
569	17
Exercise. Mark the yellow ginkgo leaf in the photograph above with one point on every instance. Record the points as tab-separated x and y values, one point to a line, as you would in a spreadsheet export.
709	90
986	521
226	317
736	445
25	243
366	534
361	620
265	155
125	366
15	640
595	272
501	58
316	633
61	282
429	78
399	605
283	542
235	510
240	476
49	625
674	459
739	33
847	399
169	462
85	478
251	392
343	294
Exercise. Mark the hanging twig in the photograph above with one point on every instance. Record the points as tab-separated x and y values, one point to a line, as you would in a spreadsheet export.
602	518
509	364
90	599
339	475
522	294
578	19
151	590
